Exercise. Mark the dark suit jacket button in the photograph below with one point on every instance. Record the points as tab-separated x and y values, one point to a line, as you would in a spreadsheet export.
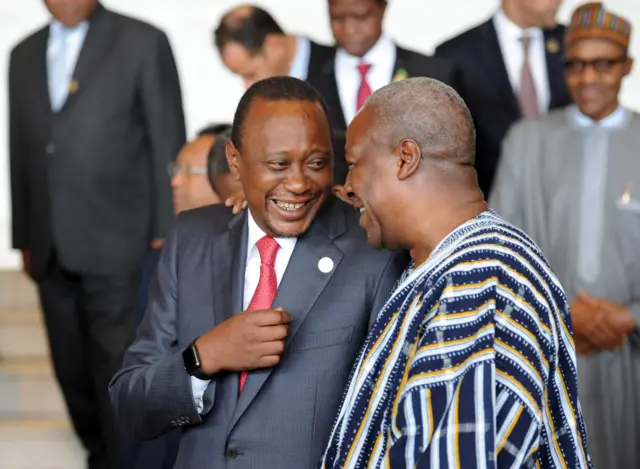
51	148
232	453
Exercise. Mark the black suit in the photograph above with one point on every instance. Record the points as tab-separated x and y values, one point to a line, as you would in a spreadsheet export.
90	190
489	94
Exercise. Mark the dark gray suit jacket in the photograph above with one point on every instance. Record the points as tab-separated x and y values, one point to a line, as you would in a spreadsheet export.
284	415
91	180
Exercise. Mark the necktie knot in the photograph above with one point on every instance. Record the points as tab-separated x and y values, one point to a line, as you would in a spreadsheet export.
525	40
268	248
364	69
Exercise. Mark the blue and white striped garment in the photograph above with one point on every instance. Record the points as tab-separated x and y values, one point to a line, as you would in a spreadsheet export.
470	364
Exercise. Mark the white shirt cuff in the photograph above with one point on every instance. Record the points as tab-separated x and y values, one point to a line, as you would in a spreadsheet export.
198	387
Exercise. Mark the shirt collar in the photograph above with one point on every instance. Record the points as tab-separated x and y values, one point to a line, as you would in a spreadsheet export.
57	28
300	63
379	54
256	234
616	119
507	29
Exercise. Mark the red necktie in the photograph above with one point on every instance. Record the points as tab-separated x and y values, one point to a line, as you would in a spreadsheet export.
268	283
365	90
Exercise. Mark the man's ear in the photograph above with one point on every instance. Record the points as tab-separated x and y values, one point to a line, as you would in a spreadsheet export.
233	159
409	158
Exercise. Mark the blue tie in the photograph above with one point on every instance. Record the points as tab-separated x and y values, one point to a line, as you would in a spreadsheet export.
58	75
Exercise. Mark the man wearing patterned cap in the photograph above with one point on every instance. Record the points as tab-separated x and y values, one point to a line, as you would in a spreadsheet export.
571	180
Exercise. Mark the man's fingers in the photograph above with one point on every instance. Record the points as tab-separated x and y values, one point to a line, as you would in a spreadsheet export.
271	333
270	317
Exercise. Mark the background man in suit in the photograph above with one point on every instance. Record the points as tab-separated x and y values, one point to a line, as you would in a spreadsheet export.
366	60
512	68
95	119
283	291
254	46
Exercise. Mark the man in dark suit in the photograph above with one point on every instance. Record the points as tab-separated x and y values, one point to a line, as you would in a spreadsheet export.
253	46
512	68
255	320
366	60
95	119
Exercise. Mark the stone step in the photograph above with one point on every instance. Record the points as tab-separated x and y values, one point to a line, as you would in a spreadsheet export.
39	444
22	334
28	388
17	290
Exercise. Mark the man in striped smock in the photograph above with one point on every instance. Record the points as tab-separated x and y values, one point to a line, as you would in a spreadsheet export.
471	363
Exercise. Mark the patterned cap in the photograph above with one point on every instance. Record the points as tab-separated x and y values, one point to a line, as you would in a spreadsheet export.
591	20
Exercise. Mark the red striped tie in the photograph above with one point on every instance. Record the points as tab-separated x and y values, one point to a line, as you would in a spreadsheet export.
268	283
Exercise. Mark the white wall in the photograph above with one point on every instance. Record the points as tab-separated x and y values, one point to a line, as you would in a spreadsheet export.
211	93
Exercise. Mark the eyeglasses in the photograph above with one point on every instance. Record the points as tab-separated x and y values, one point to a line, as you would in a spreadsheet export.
599	65
175	168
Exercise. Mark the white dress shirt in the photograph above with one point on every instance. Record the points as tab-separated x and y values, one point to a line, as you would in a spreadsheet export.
381	57
251	279
63	49
300	63
509	35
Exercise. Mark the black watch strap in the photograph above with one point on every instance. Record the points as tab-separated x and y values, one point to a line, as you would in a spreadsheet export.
192	363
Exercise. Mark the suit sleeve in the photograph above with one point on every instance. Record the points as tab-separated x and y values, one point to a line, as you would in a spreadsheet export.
165	126
152	393
19	184
508	189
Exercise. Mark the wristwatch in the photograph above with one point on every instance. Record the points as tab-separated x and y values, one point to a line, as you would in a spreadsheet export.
192	363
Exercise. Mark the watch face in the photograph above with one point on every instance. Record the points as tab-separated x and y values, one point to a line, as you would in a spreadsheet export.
190	359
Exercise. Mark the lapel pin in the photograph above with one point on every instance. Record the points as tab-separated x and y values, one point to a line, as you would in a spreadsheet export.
400	75
325	265
553	46
73	86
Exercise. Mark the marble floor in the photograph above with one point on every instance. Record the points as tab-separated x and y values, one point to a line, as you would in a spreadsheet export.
34	428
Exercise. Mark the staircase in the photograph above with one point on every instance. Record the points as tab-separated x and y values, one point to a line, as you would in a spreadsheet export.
35	432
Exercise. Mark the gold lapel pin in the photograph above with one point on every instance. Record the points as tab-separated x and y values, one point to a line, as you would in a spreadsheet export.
73	86
553	46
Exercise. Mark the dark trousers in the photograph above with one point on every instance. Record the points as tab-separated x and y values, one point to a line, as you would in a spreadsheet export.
89	322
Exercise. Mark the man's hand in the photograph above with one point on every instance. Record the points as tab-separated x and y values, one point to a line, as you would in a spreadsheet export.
246	341
591	325
617	316
157	243
26	262
237	201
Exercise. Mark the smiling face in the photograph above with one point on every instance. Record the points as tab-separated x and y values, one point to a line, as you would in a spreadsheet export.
595	69
284	164
356	24
372	180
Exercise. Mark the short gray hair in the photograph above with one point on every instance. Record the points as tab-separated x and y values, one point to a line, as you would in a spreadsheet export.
427	111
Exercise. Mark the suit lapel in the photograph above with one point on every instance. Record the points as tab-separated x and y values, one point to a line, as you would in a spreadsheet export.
497	69
98	43
229	256
401	66
554	51
302	284
39	76
328	88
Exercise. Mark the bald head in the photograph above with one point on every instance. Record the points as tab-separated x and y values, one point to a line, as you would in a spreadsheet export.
428	112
